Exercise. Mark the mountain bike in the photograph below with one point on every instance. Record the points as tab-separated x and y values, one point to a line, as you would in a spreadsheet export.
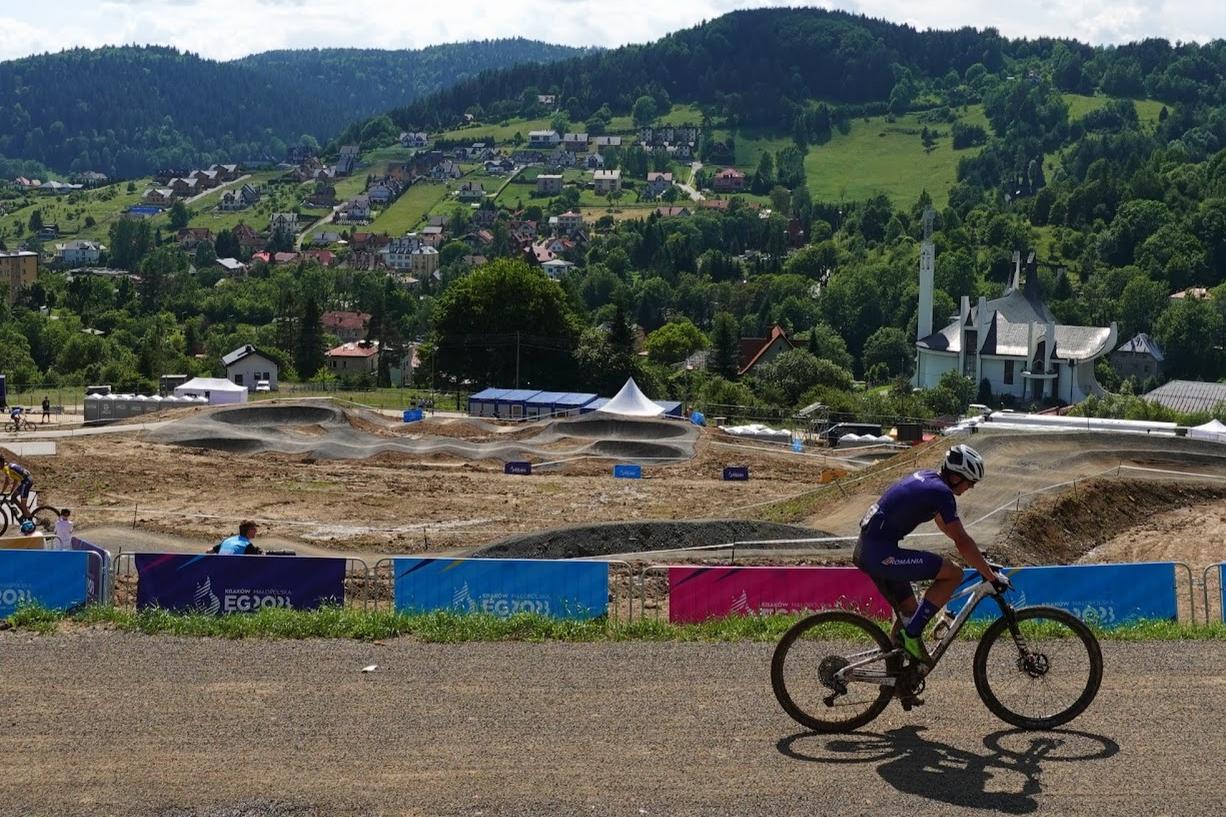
1035	667
18	423
44	516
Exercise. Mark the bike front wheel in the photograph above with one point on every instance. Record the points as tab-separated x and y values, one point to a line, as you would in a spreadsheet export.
813	677
11	427
1042	674
44	518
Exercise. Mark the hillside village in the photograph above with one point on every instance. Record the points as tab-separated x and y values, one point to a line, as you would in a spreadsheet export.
685	224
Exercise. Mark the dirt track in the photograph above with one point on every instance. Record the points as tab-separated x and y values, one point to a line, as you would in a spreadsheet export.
99	723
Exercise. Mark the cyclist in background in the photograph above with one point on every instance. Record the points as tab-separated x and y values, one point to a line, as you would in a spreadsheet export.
904	506
18	481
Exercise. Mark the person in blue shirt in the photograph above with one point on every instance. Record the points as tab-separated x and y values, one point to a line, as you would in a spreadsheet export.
241	544
904	506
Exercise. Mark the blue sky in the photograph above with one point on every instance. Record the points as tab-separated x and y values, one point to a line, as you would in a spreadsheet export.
224	29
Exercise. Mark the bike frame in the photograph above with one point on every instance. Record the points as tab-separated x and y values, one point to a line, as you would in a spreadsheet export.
977	592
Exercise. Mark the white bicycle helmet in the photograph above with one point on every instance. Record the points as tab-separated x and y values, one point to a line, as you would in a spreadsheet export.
964	461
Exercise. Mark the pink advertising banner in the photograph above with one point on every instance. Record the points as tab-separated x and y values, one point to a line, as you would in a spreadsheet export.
699	593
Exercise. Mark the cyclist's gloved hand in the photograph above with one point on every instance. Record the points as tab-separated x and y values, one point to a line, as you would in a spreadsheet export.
1001	583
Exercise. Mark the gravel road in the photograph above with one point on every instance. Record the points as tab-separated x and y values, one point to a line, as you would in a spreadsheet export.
103	723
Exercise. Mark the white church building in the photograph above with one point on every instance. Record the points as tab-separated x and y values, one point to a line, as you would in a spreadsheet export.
1012	341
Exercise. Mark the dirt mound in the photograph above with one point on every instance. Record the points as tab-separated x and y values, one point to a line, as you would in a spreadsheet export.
1020	467
637	537
1063	529
323	430
605	427
281	415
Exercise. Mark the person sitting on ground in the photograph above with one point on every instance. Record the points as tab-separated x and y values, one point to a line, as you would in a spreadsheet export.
241	544
63	530
17	482
46	409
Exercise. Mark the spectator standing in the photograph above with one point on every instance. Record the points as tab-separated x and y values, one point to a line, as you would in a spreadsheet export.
63	531
46	409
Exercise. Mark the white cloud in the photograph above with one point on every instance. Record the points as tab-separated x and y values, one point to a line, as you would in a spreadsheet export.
225	29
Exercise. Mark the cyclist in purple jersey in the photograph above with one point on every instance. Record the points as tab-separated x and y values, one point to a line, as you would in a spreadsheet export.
904	506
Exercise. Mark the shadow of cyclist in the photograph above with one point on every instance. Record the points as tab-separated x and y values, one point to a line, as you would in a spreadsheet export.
1003	779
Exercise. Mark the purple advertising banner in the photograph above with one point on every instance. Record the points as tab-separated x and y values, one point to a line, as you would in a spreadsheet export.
216	585
96	569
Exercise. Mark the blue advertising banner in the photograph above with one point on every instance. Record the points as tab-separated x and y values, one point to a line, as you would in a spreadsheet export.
736	473
521	469
413	415
97	568
216	585
628	471
1106	594
502	587
55	579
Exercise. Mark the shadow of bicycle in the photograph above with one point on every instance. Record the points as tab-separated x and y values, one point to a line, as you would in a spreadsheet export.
1005	778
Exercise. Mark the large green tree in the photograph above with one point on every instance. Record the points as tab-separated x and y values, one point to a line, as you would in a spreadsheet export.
675	341
725	358
506	318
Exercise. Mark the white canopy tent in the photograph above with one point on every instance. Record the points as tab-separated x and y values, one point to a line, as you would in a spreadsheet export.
1212	431
218	390
631	402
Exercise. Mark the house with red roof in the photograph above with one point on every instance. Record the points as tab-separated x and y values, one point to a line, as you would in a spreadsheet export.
728	180
348	326
756	351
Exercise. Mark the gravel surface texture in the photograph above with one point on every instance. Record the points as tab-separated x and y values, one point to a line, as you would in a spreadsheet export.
103	723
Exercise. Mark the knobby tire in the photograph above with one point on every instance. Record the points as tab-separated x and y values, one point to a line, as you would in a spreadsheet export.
779	682
1000	629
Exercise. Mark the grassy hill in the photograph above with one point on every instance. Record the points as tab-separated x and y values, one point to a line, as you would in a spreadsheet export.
133	110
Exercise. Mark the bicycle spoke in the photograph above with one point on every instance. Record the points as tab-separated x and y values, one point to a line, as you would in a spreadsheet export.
1047	676
815	681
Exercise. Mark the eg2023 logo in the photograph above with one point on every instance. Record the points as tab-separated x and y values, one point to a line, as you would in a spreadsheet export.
237	600
499	604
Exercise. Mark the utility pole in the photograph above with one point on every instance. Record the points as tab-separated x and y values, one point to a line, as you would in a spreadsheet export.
517	360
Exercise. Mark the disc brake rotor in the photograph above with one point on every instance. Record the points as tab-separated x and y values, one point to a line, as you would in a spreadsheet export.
1034	664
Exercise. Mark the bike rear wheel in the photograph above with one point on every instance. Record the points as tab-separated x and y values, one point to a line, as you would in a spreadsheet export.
805	663
1046	680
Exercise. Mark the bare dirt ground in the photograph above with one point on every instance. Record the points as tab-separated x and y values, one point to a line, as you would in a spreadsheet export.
391	503
98	723
439	501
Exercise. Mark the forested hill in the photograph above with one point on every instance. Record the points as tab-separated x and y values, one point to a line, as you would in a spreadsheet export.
360	82
762	66
127	111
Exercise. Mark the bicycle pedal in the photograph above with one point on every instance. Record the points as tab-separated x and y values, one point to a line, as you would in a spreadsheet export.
911	701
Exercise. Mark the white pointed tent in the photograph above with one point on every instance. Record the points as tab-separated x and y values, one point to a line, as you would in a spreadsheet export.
631	402
1212	431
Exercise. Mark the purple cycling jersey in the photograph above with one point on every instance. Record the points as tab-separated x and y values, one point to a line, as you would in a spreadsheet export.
906	505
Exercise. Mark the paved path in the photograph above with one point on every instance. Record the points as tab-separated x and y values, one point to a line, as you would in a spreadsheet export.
688	188
100	723
218	189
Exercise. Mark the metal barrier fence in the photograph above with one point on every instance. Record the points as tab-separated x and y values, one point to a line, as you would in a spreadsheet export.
634	593
1220	569
50	578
